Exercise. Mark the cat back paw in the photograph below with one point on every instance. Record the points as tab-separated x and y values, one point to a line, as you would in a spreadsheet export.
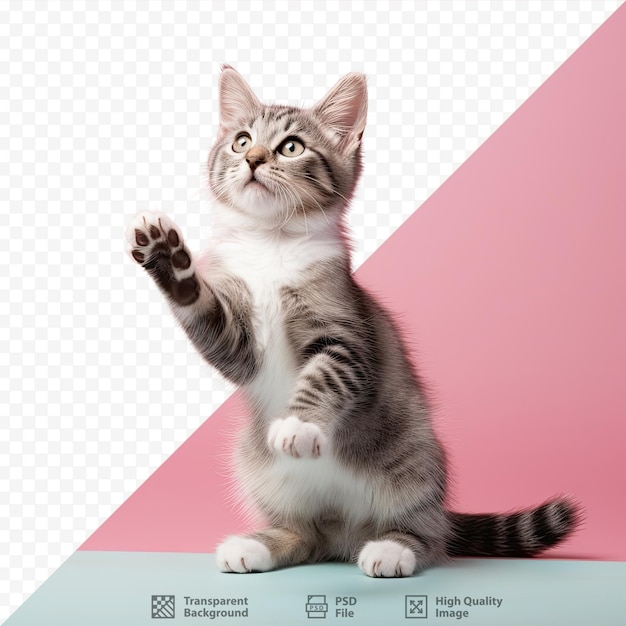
387	559
243	555
295	438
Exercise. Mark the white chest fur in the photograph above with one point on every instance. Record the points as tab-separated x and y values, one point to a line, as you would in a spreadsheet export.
308	487
267	263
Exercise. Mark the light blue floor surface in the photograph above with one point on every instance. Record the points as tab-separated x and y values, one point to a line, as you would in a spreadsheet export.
164	589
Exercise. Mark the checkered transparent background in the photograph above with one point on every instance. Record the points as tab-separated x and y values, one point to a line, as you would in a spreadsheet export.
109	108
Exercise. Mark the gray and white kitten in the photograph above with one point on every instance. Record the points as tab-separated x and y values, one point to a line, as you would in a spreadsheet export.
339	454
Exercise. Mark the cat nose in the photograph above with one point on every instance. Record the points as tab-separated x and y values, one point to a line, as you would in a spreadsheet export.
257	156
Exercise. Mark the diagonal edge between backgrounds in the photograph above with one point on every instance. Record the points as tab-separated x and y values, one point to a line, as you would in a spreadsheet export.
173	510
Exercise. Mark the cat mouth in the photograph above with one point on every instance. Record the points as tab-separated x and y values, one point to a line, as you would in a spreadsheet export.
255	183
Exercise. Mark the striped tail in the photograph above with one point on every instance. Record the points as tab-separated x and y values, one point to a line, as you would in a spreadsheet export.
521	534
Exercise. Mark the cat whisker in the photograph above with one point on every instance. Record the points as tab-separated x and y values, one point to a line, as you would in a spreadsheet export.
222	184
291	199
297	196
312	197
285	193
298	201
324	187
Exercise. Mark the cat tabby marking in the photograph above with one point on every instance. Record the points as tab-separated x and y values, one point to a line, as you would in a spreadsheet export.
339	454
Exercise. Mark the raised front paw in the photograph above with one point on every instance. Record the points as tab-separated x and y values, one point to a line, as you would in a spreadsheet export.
243	555
150	235
293	437
155	242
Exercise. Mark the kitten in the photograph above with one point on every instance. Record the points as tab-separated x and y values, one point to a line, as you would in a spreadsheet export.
339	454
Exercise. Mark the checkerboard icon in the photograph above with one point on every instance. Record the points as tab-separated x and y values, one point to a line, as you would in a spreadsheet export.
163	607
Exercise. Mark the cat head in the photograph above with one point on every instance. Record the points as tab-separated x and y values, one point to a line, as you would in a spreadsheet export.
285	167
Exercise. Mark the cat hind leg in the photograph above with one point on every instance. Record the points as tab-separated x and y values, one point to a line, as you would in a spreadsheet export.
262	551
243	555
397	554
387	558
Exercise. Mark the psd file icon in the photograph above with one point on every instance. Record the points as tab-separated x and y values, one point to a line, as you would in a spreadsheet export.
316	607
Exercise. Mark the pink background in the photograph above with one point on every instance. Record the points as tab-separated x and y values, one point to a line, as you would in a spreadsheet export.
510	284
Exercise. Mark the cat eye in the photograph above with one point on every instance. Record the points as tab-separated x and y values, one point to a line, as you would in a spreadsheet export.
242	143
291	147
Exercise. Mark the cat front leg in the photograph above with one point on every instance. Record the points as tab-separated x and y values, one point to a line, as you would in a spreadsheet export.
215	314
293	437
333	378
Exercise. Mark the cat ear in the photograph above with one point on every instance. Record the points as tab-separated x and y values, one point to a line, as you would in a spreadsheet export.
237	100
344	110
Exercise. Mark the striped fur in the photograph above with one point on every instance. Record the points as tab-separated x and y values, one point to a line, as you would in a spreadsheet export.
520	534
339	455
